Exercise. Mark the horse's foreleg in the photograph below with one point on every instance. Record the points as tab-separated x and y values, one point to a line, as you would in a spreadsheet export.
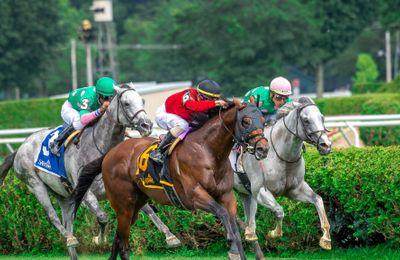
203	200
266	198
40	191
304	193
93	204
228	201
171	239
250	210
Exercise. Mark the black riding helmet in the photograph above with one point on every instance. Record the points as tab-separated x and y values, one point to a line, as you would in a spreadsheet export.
210	89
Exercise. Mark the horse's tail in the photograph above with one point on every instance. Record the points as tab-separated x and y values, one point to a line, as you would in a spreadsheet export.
86	178
7	165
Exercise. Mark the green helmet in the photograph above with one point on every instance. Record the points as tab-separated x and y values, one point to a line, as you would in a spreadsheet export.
105	86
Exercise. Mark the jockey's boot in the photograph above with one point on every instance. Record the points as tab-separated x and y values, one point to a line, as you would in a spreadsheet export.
55	146
158	154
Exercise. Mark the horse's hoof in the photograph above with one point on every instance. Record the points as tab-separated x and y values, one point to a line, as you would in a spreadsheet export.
173	242
325	243
250	235
274	234
72	241
96	240
232	256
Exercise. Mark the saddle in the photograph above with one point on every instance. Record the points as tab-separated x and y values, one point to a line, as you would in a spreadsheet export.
73	138
155	176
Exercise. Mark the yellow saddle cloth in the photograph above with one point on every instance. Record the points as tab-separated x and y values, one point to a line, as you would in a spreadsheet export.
149	171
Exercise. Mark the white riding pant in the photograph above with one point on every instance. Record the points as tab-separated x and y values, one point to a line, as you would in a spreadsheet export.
169	121
71	116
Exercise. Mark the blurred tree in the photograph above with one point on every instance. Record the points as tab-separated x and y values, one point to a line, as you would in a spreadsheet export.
340	22
366	74
30	31
241	44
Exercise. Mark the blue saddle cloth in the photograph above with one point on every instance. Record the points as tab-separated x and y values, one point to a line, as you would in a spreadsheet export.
48	161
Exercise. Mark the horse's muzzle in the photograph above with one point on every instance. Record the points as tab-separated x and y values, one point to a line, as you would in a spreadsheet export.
324	145
145	127
261	149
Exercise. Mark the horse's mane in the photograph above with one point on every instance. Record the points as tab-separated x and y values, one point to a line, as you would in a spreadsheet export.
288	107
199	119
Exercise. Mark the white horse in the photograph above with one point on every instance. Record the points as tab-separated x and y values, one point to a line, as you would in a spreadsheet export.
282	172
125	110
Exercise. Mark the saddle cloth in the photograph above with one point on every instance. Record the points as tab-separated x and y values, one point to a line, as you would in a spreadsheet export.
149	172
49	162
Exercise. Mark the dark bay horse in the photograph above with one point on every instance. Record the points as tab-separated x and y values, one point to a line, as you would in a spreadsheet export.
200	170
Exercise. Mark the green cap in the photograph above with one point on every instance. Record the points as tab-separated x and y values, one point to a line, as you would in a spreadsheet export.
105	86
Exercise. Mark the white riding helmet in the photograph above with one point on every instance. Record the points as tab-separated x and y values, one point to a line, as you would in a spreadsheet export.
281	86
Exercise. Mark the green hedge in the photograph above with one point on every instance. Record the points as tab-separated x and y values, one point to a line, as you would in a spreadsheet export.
30	113
368	104
360	188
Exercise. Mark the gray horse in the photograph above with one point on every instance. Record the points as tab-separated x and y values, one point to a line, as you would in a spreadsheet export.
125	110
282	172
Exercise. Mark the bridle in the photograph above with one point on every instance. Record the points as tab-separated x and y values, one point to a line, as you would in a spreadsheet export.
244	138
124	112
296	134
118	122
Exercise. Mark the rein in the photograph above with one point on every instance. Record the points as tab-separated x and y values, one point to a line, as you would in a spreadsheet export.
296	134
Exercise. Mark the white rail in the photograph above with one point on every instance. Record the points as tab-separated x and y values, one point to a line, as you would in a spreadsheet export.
350	121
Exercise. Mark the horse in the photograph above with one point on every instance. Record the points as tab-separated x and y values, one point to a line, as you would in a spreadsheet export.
199	167
282	171
125	110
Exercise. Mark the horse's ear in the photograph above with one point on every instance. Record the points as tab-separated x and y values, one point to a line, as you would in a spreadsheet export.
117	88
131	85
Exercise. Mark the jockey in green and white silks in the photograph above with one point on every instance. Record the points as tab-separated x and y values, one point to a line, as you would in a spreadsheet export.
82	107
270	98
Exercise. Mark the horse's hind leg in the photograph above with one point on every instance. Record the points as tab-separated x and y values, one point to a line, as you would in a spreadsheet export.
171	239
39	189
93	204
126	218
126	200
67	208
304	193
266	198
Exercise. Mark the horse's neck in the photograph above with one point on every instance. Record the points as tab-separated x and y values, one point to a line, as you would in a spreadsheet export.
219	138
108	132
287	145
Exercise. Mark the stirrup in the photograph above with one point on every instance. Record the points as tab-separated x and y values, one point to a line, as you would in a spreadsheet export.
157	156
55	149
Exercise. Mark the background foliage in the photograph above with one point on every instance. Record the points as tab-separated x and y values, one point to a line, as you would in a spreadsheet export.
241	44
366	75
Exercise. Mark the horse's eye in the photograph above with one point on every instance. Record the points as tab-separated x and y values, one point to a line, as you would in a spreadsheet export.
306	121
126	104
246	122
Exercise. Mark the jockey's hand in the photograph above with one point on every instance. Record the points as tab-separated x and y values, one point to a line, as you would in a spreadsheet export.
104	106
252	100
221	103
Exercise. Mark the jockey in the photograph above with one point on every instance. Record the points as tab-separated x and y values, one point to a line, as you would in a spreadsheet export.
270	98
82	107
178	109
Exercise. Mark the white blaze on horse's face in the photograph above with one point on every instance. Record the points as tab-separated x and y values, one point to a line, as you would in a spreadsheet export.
131	110
313	124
